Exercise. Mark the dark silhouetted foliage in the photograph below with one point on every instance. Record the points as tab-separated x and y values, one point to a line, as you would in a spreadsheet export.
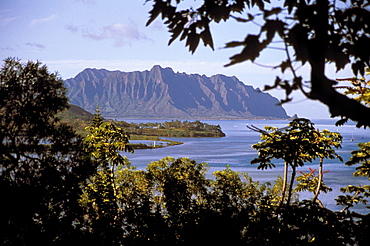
309	32
42	162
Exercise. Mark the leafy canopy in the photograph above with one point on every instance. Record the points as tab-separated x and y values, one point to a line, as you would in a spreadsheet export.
42	162
296	144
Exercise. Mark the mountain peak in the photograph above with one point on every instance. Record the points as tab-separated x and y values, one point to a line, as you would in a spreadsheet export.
158	68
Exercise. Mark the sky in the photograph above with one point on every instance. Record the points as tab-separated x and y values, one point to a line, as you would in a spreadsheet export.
71	35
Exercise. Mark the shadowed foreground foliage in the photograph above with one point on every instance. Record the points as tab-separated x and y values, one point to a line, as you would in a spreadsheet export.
172	202
42	162
57	189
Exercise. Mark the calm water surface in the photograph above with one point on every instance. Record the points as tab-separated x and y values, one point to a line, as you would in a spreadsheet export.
235	150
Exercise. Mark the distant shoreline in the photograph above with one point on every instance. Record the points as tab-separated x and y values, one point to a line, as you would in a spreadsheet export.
183	119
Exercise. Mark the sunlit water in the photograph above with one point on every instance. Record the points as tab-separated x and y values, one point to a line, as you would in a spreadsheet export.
235	150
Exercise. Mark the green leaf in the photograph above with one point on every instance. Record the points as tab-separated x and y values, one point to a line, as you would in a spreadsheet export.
176	32
192	41
272	27
206	36
251	50
157	9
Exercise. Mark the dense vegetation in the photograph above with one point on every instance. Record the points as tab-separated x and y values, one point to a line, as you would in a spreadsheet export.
61	189
42	162
174	128
173	203
79	119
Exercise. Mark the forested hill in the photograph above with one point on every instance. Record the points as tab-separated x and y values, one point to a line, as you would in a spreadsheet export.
75	112
162	93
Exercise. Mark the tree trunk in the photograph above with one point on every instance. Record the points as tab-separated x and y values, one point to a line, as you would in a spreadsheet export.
319	182
114	187
113	180
285	178
291	183
322	87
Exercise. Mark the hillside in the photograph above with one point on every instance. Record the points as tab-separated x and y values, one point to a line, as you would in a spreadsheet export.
162	93
75	112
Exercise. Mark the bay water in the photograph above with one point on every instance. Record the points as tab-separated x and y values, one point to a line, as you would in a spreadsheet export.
235	150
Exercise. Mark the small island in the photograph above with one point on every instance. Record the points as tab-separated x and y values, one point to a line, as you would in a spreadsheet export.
153	133
174	128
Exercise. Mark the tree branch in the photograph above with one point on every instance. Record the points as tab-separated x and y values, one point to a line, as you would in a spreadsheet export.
322	87
338	104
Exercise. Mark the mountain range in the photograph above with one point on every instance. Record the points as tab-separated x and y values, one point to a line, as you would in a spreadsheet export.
162	93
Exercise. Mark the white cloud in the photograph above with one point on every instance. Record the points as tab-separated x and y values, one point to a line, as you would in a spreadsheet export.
36	45
7	48
72	28
158	26
40	21
86	1
6	21
121	34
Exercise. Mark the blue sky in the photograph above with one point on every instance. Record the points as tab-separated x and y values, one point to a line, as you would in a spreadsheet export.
71	35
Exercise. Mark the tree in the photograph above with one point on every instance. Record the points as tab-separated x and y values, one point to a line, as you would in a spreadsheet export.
172	202
104	143
360	89
325	141
311	183
296	144
98	120
311	32
362	157
42	162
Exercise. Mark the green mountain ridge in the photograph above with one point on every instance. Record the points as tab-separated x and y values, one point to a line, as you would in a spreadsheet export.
162	93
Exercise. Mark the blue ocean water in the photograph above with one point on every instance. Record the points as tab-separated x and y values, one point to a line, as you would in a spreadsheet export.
235	150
